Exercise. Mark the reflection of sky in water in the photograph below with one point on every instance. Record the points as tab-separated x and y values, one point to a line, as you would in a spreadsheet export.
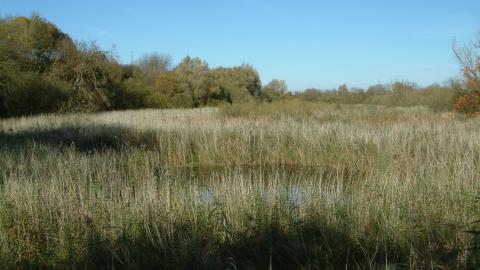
204	196
295	194
289	182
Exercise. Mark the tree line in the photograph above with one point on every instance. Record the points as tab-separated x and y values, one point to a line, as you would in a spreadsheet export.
43	70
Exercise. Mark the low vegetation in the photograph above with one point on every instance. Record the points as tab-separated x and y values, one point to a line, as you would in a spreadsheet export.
284	185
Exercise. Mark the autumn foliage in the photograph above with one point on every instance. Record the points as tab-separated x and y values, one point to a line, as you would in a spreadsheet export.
468	104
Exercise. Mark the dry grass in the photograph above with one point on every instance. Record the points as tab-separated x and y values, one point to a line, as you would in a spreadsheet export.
288	185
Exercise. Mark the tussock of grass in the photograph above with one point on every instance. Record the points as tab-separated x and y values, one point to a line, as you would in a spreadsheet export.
282	186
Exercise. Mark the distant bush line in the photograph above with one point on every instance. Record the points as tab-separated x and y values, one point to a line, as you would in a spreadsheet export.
42	70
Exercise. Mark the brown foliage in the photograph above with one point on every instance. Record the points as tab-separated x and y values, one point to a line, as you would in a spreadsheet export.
468	104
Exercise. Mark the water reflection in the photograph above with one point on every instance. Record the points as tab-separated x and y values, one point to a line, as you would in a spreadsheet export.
285	182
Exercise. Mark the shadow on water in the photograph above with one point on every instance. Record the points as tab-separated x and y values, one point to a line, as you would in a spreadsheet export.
84	138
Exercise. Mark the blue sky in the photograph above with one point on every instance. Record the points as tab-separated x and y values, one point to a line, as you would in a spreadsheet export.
307	43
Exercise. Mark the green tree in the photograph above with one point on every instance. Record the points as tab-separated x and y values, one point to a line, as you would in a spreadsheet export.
28	47
217	88
167	92
191	73
237	84
31	42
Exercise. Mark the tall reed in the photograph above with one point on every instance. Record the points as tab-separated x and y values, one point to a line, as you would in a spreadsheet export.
306	187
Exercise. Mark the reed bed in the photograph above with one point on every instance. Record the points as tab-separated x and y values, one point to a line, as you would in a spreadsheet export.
310	186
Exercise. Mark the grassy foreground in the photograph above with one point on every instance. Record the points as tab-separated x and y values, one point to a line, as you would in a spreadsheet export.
282	186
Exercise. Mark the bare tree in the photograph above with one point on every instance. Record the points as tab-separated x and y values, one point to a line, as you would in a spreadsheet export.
154	63
469	58
275	89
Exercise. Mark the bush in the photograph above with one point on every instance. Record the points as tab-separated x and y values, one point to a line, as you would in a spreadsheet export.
468	104
30	93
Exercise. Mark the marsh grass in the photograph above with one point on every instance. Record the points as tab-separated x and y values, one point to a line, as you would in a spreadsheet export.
282	186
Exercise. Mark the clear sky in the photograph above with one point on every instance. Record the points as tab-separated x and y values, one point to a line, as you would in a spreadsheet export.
307	43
